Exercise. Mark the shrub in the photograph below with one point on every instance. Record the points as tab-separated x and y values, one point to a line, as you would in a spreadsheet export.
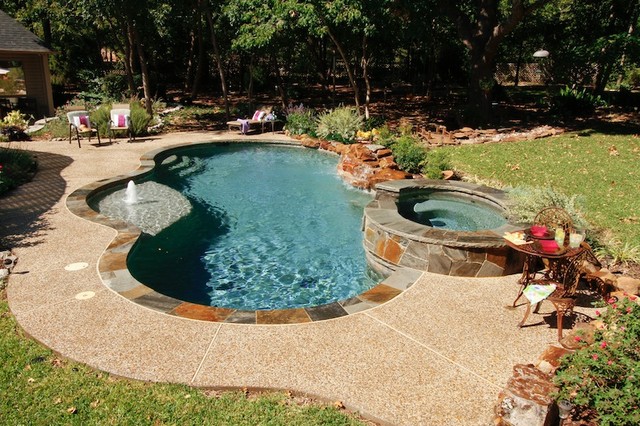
16	167
301	123
526	202
139	120
13	125
340	124
100	118
385	136
604	376
435	162
619	252
409	153
573	102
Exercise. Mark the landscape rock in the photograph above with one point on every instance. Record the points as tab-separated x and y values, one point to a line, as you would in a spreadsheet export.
549	360
526	400
628	285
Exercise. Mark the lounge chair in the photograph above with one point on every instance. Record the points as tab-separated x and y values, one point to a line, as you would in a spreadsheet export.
259	119
80	123
120	117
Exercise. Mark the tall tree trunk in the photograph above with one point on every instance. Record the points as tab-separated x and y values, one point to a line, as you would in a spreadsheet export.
365	75
144	69
129	47
250	88
197	77
347	65
482	38
216	52
191	58
282	90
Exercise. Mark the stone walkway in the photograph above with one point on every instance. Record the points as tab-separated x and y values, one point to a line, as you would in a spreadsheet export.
438	354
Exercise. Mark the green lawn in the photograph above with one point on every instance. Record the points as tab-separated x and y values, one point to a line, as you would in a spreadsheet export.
604	170
39	388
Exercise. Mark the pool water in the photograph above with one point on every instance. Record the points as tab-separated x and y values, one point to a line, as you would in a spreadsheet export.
269	228
453	212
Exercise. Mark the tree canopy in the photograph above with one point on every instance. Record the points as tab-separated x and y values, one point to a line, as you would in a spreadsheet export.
275	46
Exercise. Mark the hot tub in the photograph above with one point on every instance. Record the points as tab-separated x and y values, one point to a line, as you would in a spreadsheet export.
444	227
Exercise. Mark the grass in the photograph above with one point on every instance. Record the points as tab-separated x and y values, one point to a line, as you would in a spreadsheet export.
601	169
38	387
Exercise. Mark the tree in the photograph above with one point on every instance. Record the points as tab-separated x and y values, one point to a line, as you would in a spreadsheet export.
482	25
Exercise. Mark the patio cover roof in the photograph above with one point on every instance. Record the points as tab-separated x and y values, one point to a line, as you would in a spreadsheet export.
16	38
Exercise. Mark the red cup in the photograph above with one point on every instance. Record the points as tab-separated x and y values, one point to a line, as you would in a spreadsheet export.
538	230
549	246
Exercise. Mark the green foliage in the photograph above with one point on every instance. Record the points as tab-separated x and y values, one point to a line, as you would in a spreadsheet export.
386	137
139	120
435	162
526	201
603	376
301	120
565	163
409	153
573	102
39	388
100	118
16	120
619	252
373	123
16	167
340	124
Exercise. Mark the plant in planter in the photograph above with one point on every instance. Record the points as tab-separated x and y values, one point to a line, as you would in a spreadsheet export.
13	125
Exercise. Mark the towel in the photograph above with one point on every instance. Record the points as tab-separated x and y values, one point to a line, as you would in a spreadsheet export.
244	126
538	292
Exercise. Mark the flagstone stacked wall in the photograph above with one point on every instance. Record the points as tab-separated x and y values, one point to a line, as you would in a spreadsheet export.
392	241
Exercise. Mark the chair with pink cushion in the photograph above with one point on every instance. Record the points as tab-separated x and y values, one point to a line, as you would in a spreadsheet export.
119	120
80	123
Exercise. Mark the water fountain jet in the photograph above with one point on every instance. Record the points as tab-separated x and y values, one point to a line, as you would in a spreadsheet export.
131	193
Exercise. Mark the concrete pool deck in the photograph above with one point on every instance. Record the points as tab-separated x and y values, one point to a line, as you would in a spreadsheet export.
437	354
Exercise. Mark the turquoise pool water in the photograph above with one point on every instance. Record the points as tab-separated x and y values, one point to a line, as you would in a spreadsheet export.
269	228
441	209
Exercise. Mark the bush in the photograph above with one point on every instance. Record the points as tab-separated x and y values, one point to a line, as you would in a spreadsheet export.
139	120
604	376
409	153
385	137
435	162
525	202
13	125
301	122
16	167
340	124
100	118
573	102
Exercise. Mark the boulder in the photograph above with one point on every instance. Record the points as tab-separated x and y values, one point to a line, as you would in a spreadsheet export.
549	360
526	400
310	142
628	285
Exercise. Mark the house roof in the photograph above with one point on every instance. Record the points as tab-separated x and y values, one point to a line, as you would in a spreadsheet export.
16	38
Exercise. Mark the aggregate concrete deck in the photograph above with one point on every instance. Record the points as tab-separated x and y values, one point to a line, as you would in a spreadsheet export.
438	354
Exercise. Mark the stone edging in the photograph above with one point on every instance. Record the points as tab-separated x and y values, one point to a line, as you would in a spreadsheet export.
115	275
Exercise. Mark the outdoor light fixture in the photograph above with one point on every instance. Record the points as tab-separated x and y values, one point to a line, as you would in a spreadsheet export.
541	53
564	408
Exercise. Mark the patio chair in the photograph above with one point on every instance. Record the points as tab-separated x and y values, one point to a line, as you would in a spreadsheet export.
560	294
80	123
119	121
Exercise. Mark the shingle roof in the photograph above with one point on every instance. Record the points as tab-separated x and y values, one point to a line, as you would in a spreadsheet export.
16	38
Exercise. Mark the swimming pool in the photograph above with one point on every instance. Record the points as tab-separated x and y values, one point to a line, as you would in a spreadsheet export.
268	228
